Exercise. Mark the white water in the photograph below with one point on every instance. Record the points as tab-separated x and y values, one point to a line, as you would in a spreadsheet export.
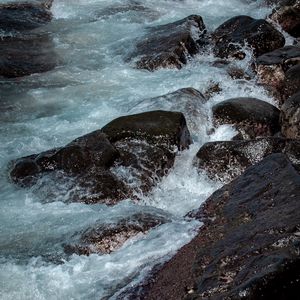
93	86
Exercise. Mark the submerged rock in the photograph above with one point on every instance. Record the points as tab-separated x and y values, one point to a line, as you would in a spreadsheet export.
27	54
189	101
25	15
106	238
272	67
252	117
248	247
227	160
170	45
290	117
230	37
128	155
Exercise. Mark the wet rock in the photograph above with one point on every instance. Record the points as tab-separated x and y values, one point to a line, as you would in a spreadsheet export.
292	81
252	117
106	238
27	54
248	247
272	67
213	88
189	101
127	156
287	15
227	160
290	117
170	45
234	34
24	15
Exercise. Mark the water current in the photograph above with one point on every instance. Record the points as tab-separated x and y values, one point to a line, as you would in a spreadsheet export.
93	85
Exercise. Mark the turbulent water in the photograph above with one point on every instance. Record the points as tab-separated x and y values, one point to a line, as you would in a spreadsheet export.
92	86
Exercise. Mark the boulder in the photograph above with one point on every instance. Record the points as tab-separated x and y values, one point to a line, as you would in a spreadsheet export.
272	67
252	117
230	37
27	54
24	15
292	81
128	155
170	45
226	160
290	117
189	101
248	247
287	15
106	238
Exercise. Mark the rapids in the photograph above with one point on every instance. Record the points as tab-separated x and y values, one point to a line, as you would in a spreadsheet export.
92	86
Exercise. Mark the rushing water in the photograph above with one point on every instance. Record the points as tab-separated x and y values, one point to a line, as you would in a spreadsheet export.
92	86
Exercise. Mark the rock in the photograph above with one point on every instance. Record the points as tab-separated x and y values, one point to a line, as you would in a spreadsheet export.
170	45
189	101
24	15
106	238
251	116
248	247
272	67
227	160
127	156
27	54
234	34
290	117
292	81
288	17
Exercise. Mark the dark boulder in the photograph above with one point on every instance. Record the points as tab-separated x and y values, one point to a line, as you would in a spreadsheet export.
292	80
27	54
251	116
248	247
272	67
170	45
106	238
24	15
227	160
290	117
128	155
234	34
287	15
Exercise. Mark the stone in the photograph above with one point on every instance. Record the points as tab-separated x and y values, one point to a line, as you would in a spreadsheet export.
27	54
290	117
287	15
252	117
248	247
126	157
170	45
25	15
230	37
225	160
292	81
272	67
107	238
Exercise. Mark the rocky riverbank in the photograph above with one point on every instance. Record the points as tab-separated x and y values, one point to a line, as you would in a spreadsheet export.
248	246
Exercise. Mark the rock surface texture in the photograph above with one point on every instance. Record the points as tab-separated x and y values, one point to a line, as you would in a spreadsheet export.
230	37
249	245
170	45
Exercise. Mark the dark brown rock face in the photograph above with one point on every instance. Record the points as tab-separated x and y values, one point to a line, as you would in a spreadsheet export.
290	117
26	54
104	239
227	160
292	80
287	15
142	146
273	67
232	35
249	245
170	45
24	16
251	116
